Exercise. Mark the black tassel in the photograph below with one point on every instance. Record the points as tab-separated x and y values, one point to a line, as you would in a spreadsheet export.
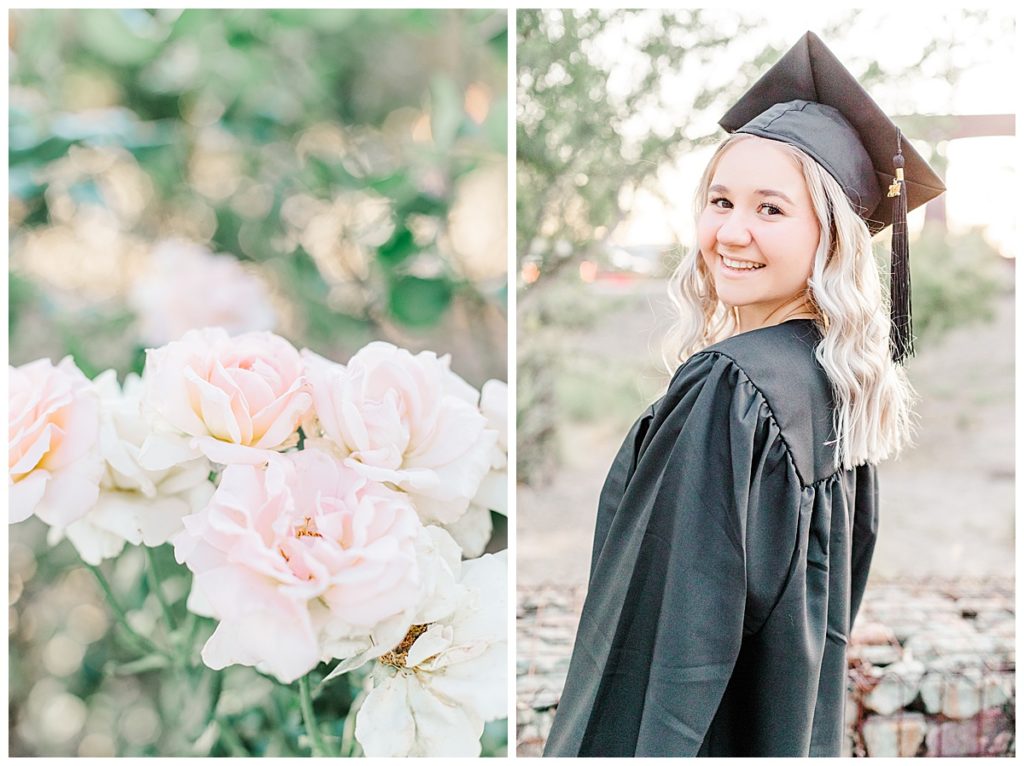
901	336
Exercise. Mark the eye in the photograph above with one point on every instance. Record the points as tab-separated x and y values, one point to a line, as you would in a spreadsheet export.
765	207
720	202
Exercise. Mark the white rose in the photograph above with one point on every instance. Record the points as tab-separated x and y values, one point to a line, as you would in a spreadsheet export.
432	694
439	561
297	556
135	505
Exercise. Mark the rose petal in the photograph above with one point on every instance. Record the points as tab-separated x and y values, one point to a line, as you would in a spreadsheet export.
227	453
281	644
472	530
71	492
24	495
215	407
162	451
384	723
443	729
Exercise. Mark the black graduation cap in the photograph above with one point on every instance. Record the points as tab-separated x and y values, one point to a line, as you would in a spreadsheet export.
810	100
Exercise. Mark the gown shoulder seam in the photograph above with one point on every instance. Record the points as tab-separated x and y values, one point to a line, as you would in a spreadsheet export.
804	484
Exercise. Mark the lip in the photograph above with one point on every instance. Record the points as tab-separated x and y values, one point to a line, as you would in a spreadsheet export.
733	271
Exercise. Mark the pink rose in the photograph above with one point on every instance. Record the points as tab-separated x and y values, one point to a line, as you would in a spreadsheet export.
406	420
187	287
54	460
239	397
295	556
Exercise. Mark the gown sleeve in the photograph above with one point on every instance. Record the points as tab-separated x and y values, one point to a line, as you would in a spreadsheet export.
693	557
865	533
615	483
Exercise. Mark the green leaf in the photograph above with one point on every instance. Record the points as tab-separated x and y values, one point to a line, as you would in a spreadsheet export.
394	186
398	248
422	204
499	42
225	238
40	151
419	302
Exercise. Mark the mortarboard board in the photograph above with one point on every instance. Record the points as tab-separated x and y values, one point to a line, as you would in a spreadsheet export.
810	100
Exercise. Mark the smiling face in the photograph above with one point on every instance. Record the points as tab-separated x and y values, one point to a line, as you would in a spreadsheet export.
758	232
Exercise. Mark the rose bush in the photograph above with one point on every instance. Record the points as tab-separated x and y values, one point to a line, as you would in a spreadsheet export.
323	510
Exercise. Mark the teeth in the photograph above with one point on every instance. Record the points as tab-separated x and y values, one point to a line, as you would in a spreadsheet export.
747	265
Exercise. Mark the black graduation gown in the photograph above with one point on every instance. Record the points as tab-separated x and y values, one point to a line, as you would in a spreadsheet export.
729	561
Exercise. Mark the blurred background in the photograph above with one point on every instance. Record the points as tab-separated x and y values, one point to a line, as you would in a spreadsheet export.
336	176
616	117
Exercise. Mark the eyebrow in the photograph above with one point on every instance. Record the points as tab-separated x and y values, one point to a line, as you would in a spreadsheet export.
759	192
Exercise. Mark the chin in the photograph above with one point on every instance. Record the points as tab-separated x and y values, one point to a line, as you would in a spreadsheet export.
733	301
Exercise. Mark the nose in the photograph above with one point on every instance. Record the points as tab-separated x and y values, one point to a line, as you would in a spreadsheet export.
734	231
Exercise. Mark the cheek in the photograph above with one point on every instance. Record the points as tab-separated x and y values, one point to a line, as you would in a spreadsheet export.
808	237
793	252
707	235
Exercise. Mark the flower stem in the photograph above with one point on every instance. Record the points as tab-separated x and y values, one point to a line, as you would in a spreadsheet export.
230	738
309	718
188	637
122	618
216	685
154	585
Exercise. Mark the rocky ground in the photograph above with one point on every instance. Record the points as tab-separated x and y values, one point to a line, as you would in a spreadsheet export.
931	667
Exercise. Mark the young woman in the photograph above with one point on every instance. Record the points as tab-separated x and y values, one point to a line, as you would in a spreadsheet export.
737	523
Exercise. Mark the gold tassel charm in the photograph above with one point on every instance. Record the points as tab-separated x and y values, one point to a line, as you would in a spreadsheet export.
897	184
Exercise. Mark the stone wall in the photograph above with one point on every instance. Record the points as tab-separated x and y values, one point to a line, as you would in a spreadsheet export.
931	667
931	670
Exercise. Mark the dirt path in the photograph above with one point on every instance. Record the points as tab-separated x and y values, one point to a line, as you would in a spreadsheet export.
947	505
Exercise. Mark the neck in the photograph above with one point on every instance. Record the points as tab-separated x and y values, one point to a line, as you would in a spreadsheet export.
758	316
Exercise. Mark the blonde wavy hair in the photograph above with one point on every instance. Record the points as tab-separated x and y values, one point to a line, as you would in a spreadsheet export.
873	417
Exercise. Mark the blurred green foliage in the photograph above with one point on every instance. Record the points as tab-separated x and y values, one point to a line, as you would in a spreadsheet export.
233	126
574	154
954	279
